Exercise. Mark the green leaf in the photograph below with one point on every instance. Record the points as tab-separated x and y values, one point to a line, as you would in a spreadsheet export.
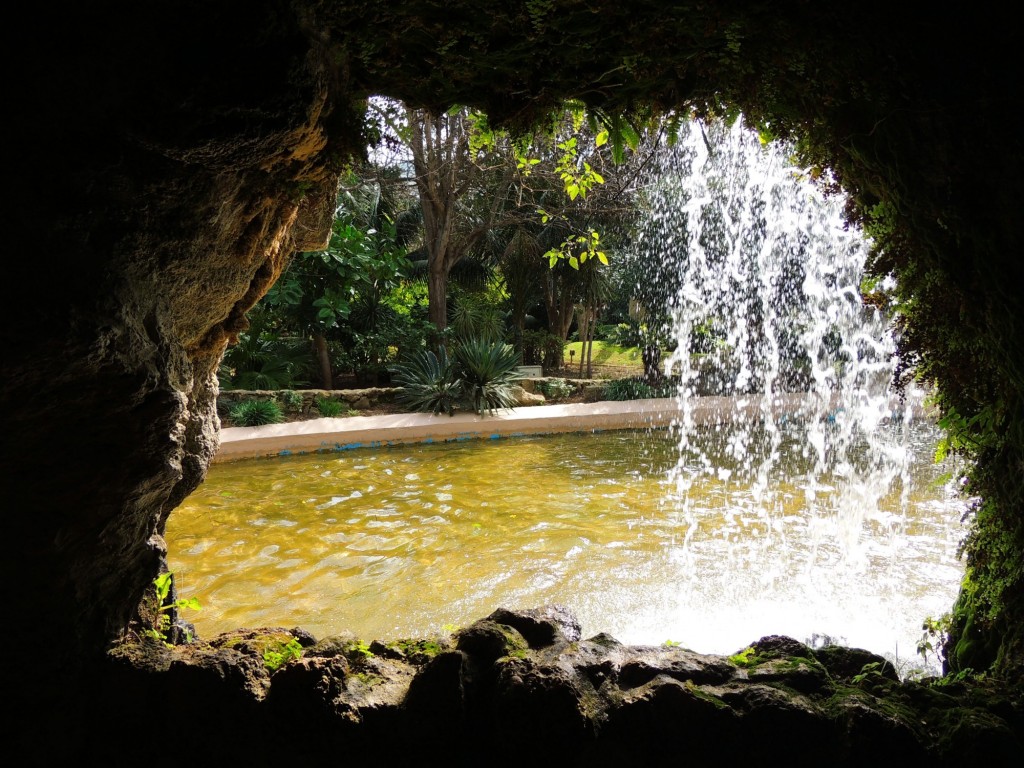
630	135
618	154
574	262
192	603
601	139
163	586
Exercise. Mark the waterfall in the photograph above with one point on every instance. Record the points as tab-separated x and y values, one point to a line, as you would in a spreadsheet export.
752	279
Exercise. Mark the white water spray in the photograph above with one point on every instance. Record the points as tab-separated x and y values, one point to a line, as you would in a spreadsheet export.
784	378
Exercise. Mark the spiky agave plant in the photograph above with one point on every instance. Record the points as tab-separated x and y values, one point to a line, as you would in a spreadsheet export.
429	382
489	372
256	413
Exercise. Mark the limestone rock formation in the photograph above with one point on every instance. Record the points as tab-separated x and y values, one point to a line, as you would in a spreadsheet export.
522	687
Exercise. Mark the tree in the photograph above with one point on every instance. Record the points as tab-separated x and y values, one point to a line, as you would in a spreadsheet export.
594	217
504	199
448	165
594	288
364	259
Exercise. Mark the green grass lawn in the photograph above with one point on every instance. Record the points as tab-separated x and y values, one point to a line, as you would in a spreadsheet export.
605	353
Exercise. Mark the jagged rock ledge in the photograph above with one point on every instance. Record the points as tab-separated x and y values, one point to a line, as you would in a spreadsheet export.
523	687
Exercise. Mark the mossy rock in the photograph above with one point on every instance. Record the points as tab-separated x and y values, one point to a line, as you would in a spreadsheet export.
844	663
416	652
488	640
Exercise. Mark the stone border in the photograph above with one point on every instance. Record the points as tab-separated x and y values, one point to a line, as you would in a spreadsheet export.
351	432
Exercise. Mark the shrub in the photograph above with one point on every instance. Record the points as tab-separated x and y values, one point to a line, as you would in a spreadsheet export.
488	373
290	399
543	348
429	382
556	389
626	335
480	375
264	360
330	407
254	413
636	389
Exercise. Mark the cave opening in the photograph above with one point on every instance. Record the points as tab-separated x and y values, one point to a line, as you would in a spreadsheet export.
169	161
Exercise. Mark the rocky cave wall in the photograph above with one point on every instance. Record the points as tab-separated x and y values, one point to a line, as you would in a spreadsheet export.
167	158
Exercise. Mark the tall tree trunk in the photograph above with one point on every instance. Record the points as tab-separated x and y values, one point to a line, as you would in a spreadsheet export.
437	293
591	326
323	356
581	322
560	309
445	172
587	322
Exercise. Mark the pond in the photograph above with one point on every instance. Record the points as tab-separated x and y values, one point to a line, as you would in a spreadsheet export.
409	541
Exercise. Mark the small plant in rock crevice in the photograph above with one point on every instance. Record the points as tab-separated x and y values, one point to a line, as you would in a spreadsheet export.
745	658
164	607
934	633
275	658
872	670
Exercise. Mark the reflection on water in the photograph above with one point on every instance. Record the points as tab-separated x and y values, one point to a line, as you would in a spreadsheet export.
407	541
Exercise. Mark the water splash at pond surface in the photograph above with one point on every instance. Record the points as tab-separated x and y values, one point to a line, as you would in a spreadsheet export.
404	541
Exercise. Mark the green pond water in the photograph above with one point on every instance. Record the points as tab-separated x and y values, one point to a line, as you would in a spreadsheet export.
410	541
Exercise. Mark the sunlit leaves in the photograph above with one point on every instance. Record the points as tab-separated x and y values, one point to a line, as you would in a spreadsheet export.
482	138
578	250
577	176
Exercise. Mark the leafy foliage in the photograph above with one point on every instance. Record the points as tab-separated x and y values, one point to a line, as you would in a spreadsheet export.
480	375
488	373
263	360
542	348
163	585
330	407
289	398
934	633
476	315
255	413
341	295
276	657
636	389
429	382
556	389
